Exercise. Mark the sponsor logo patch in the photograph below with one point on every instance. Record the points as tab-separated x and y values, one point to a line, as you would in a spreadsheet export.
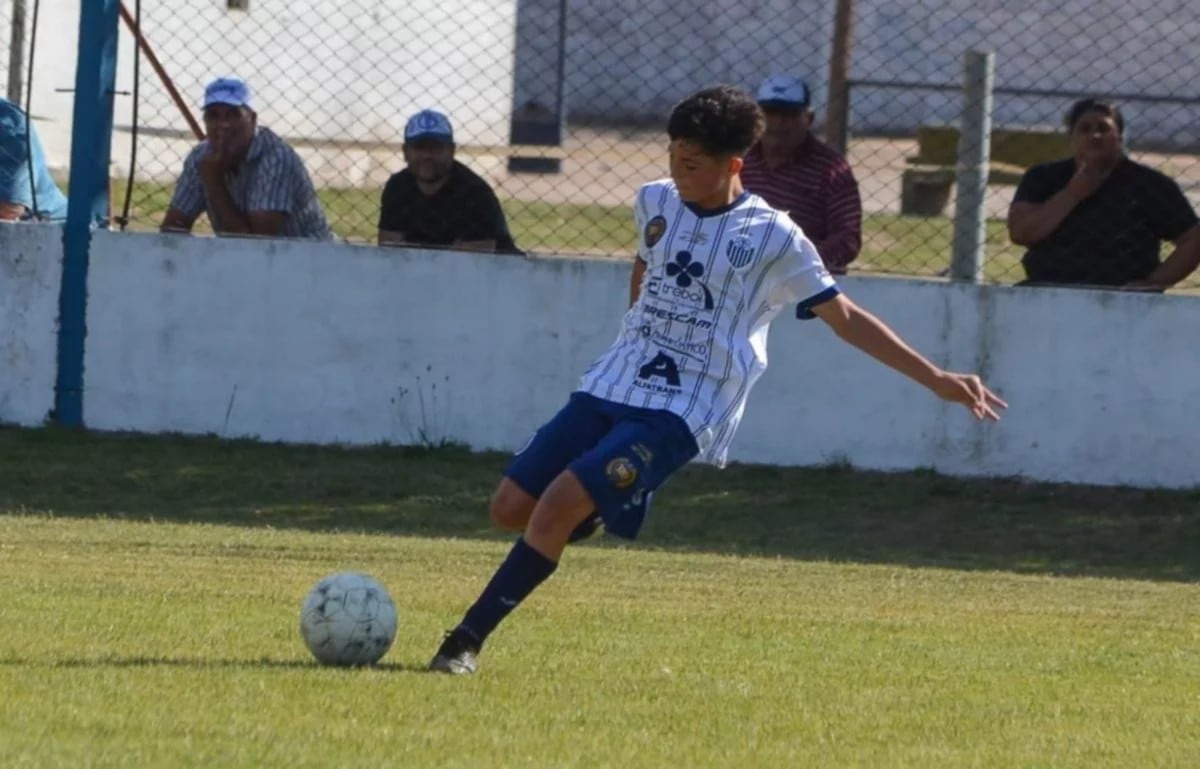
694	349
686	271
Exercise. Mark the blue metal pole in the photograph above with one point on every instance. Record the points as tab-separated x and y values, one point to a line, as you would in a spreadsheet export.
87	201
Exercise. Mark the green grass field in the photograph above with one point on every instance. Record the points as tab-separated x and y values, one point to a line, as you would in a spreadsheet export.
893	244
770	617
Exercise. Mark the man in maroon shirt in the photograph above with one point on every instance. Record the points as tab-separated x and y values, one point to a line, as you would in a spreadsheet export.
795	172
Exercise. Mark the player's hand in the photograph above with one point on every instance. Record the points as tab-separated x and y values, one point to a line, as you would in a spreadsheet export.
970	391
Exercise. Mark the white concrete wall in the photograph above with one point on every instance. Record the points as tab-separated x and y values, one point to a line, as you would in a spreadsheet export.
309	342
335	343
30	274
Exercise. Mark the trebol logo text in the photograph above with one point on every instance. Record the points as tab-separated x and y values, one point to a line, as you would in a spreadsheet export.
683	282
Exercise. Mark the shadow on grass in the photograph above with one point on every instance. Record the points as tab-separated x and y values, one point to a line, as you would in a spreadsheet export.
205	664
835	513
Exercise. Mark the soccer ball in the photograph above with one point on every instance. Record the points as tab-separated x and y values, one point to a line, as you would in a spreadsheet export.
348	619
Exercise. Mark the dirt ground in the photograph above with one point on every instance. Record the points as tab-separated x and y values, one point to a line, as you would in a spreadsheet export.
607	168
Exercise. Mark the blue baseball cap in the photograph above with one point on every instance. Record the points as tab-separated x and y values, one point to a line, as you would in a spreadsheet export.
783	91
428	124
228	90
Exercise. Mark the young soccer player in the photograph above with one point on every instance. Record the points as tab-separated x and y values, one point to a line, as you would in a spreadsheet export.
715	265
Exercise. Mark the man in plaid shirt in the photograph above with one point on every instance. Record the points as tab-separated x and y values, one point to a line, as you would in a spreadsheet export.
248	180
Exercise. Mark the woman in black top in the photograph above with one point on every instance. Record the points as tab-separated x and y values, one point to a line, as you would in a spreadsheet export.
1099	218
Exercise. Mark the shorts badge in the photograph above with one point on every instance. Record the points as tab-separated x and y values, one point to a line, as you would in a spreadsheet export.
621	472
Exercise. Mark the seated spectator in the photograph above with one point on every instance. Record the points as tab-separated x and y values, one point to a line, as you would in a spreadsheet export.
794	171
27	192
436	200
248	180
1098	218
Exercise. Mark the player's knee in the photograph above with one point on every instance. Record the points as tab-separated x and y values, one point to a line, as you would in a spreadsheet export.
511	506
543	527
507	516
563	505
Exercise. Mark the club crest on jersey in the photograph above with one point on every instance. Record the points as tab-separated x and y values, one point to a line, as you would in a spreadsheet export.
739	251
621	472
654	231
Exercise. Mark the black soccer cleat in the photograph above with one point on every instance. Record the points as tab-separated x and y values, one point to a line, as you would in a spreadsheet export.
457	655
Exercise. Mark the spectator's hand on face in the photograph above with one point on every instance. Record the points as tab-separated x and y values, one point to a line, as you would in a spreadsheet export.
1087	179
216	161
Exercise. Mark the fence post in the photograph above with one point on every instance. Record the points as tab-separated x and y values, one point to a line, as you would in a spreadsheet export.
87	202
533	123
16	53
837	115
970	216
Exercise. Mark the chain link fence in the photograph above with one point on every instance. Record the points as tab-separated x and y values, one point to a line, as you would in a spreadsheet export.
561	104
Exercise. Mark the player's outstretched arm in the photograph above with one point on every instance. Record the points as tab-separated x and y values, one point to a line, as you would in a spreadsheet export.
871	335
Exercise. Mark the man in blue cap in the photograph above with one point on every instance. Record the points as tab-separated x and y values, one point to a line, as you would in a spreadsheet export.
27	192
248	180
438	201
796	172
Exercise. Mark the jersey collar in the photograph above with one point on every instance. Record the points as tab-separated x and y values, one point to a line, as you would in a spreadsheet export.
703	212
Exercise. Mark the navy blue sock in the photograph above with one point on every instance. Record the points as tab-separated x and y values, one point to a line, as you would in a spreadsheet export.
520	574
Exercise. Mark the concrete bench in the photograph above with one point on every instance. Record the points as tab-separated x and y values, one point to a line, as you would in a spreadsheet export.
927	181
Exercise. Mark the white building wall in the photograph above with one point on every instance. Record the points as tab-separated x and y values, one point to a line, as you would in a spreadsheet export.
337	71
305	342
636	58
350	72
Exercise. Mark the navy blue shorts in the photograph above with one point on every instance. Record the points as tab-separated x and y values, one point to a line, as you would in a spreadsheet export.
620	453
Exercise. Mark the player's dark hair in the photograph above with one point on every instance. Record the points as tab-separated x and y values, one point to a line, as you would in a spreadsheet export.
1103	106
723	120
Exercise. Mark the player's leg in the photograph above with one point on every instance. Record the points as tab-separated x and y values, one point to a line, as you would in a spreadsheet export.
561	509
533	558
576	428
624	470
511	505
616	478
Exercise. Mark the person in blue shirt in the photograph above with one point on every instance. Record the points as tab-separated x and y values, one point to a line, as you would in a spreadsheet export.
27	191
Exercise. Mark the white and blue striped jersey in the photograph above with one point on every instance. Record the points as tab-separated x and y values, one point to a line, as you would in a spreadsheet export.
695	341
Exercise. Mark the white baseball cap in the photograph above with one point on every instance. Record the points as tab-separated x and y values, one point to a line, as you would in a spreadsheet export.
783	91
428	124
